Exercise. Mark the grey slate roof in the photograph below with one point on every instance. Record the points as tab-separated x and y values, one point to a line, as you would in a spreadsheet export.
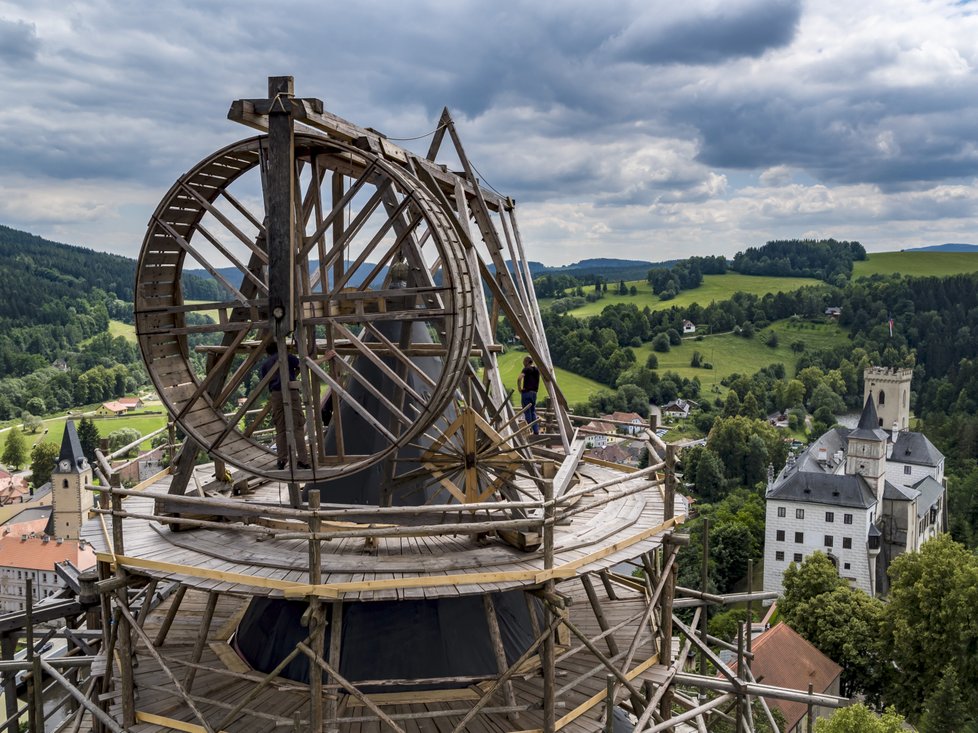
930	491
869	424
823	488
899	493
833	441
71	449
916	449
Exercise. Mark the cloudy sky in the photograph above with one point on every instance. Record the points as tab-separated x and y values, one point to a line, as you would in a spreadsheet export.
634	129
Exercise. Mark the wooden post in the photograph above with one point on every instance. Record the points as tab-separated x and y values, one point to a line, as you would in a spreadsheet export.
740	675
35	703
497	646
665	653
609	720
335	651
669	500
171	614
316	630
123	633
201	642
8	646
548	657
281	209
592	597
704	577
750	609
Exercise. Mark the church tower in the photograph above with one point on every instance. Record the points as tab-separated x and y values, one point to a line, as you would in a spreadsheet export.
866	454
890	389
70	501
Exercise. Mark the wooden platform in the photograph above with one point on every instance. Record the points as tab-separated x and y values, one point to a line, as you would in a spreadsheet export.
581	681
231	561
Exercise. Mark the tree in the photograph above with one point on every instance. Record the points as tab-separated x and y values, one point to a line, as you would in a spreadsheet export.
35	406
123	437
860	719
14	452
931	620
31	422
731	546
652	362
804	582
88	436
43	457
661	343
697	361
708	477
946	710
674	338
772	339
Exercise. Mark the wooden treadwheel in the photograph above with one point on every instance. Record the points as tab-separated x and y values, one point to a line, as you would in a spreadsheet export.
379	308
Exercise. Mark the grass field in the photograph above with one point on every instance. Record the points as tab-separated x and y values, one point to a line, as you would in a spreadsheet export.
714	288
127	330
52	431
916	263
732	354
575	387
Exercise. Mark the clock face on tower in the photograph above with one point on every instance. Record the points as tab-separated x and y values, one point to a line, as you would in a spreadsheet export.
64	466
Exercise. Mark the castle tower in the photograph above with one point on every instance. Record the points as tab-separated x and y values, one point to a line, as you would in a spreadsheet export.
71	502
866	455
890	389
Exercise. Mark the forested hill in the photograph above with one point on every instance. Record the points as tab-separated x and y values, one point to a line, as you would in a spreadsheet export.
34	269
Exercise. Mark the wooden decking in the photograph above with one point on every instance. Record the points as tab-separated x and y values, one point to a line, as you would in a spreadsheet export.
232	560
222	680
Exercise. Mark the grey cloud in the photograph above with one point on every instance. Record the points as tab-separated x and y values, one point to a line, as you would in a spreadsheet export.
18	41
709	35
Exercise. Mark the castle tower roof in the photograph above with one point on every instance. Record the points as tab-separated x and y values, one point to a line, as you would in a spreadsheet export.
868	428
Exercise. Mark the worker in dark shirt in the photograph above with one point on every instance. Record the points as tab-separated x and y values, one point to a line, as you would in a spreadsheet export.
278	407
528	383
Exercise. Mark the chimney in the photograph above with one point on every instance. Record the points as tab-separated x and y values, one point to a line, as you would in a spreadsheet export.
60	540
45	539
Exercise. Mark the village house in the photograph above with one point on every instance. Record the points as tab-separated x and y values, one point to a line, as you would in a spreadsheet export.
131	403
34	556
689	327
636	423
598	434
861	496
678	408
782	658
833	311
112	409
13	489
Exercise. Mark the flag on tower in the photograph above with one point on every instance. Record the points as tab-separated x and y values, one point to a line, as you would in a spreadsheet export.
891	324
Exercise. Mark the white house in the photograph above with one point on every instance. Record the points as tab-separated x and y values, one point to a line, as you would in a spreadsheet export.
689	327
860	496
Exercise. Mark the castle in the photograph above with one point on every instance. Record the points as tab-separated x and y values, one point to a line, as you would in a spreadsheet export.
861	496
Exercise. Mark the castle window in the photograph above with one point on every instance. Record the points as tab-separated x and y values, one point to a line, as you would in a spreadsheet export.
846	566
882	399
847	519
780	535
64	484
779	555
906	470
829	540
799	513
829	516
800	537
797	557
781	511
847	543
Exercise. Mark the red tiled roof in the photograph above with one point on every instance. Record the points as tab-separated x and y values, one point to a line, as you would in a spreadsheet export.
128	401
784	659
35	554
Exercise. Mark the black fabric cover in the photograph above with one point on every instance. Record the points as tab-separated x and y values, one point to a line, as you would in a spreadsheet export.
360	437
441	637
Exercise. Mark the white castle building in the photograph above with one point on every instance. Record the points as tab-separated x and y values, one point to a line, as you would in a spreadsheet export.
860	496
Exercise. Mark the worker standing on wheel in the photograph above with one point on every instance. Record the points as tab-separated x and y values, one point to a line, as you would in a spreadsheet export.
278	407
528	384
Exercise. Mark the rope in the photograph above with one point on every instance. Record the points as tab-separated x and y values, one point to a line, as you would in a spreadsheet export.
418	137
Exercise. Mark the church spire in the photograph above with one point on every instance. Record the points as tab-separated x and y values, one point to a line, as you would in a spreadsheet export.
71	457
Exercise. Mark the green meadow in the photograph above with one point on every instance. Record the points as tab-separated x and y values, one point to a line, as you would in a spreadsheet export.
714	288
920	264
732	354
